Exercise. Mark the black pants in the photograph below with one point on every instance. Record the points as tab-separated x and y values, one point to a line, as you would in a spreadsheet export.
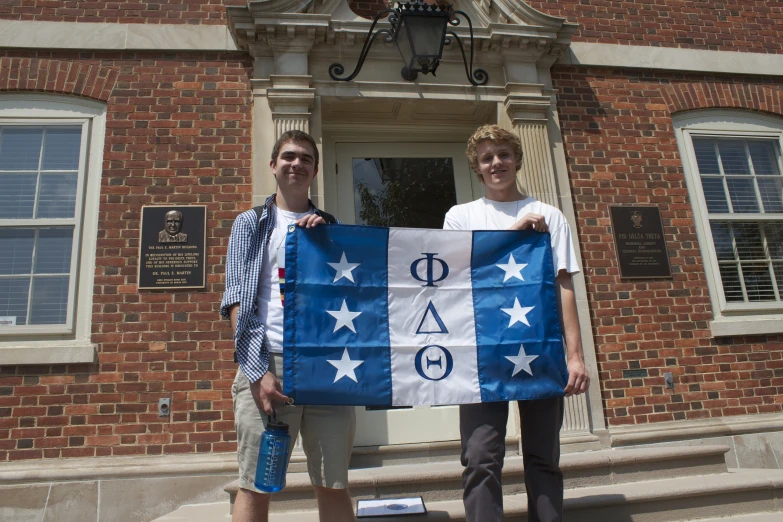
483	432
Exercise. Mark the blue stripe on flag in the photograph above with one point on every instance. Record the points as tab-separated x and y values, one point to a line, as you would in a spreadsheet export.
536	346
312	291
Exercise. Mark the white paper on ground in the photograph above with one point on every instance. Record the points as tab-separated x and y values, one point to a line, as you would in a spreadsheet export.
390	506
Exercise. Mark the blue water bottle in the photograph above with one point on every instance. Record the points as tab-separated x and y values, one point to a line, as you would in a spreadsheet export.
273	457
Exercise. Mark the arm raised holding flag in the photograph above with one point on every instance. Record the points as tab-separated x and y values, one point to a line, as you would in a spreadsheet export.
495	154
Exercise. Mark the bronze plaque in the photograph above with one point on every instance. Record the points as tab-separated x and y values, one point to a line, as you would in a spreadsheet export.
172	250
639	242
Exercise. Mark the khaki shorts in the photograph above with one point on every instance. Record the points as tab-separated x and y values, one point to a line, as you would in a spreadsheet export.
327	434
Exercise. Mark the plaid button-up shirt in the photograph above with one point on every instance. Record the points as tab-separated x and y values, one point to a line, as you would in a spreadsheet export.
246	250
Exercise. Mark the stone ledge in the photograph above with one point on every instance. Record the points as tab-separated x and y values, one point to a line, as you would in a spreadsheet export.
54	352
97	468
692	429
665	58
110	36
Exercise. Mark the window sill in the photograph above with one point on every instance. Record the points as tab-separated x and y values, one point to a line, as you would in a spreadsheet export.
46	352
747	325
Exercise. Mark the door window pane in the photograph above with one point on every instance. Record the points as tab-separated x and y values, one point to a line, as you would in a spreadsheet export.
403	192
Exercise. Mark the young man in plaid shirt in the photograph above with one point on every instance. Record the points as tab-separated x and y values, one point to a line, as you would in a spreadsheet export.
253	303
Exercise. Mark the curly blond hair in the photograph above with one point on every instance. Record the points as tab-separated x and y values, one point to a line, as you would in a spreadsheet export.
494	133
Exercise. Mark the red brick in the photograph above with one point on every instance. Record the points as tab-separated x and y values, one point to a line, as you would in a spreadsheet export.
683	343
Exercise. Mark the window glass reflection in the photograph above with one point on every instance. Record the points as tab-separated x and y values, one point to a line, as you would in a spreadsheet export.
403	192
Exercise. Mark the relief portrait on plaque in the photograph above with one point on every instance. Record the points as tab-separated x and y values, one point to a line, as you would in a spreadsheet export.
172	231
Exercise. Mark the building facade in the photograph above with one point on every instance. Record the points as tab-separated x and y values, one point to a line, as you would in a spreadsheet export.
107	108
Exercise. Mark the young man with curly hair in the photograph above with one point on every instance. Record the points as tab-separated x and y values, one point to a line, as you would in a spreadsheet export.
495	154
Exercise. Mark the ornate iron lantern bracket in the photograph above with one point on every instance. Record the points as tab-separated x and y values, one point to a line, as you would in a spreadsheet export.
418	30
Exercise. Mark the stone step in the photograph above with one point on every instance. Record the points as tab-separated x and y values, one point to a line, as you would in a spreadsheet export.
771	516
439	481
742	496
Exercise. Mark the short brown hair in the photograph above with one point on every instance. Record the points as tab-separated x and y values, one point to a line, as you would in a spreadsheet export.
296	136
494	133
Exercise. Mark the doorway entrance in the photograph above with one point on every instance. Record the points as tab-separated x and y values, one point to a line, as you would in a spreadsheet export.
409	185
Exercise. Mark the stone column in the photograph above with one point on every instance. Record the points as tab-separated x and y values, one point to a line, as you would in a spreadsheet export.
282	78
291	99
528	109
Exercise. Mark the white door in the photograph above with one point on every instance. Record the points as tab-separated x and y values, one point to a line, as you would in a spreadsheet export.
403	185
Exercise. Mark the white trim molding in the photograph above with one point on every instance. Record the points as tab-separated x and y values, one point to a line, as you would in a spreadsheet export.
21	34
673	59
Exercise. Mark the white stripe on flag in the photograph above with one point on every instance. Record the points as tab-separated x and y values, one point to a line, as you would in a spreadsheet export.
439	317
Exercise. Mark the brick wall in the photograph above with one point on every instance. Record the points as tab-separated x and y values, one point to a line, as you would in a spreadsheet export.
747	25
621	149
131	12
368	8
178	131
744	25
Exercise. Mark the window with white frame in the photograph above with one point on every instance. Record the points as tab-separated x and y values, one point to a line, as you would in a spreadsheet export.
49	187
734	170
40	172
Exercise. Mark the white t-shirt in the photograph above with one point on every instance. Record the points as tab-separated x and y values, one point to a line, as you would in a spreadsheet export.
269	306
485	214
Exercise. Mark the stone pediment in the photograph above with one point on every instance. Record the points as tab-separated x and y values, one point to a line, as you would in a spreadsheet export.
501	25
483	12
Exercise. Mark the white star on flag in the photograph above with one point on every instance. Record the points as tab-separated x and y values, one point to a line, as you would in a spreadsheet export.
343	269
345	367
518	313
512	269
521	361
344	317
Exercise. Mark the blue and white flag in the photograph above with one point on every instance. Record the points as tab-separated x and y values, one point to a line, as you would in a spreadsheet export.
399	317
